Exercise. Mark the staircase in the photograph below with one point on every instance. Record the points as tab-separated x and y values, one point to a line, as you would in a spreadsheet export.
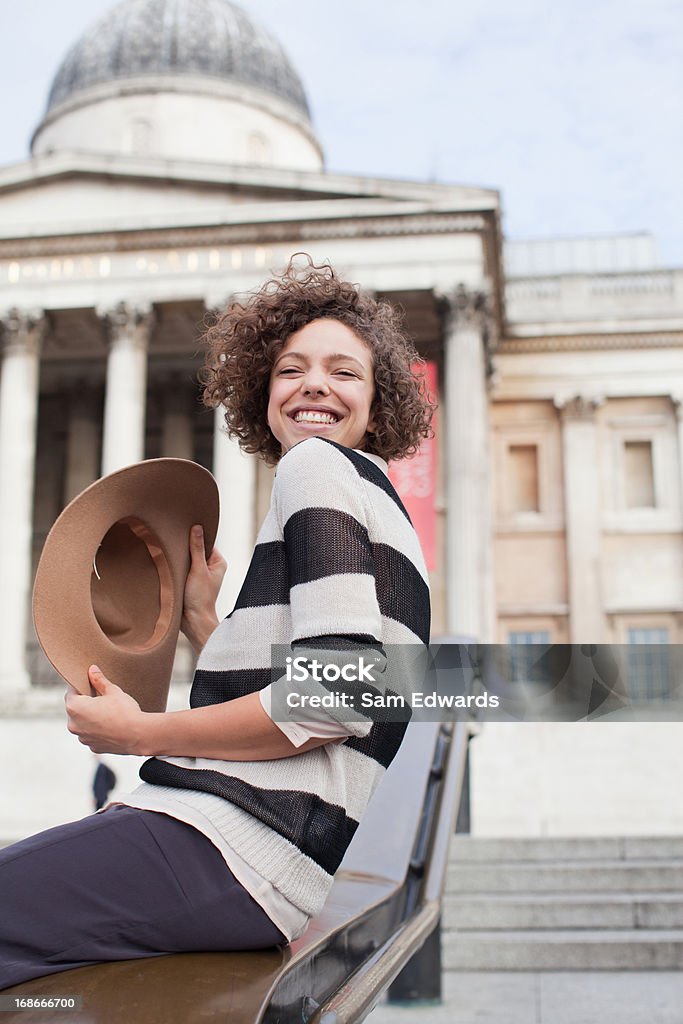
564	904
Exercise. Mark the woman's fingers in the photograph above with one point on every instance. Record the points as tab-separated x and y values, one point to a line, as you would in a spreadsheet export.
215	563
197	553
99	681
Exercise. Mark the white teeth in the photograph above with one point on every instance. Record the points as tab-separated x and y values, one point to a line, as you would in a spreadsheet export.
309	416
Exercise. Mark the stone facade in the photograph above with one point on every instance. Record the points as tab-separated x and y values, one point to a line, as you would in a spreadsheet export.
560	441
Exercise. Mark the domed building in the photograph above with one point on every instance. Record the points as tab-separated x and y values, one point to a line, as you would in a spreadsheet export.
183	80
176	166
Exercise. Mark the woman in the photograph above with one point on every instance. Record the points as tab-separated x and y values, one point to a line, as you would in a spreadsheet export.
244	814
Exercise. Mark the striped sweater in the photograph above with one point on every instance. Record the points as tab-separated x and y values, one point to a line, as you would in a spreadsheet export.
337	557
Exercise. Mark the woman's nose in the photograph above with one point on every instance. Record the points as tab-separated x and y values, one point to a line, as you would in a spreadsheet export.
314	383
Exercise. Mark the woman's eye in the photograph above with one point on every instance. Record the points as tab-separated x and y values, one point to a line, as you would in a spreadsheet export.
289	369
345	373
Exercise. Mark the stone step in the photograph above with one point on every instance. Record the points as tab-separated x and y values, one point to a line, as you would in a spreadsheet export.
565	876
594	950
485	848
563	911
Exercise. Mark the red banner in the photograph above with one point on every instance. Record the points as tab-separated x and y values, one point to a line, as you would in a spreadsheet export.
415	481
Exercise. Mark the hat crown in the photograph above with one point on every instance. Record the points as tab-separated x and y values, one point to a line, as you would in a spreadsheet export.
131	586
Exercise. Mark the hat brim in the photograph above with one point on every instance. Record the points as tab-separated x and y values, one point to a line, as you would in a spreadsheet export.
157	502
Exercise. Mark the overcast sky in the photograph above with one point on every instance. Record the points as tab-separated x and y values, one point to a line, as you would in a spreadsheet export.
571	108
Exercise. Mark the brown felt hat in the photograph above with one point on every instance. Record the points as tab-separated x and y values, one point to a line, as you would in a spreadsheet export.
110	581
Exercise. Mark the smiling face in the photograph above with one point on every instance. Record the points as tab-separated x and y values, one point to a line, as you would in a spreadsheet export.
322	385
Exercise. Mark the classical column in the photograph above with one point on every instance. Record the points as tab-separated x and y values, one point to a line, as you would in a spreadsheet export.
470	595
82	443
236	476
177	437
582	516
677	401
124	401
22	336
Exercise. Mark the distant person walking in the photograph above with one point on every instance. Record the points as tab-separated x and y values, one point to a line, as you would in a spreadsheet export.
102	784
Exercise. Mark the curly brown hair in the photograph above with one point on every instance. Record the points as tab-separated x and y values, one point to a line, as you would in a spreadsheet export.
247	338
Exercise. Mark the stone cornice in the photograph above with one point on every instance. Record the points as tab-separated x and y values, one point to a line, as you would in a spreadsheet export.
540	610
642	609
52	166
243	234
588	342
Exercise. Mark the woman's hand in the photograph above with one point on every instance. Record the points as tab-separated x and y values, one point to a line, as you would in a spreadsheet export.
201	591
111	723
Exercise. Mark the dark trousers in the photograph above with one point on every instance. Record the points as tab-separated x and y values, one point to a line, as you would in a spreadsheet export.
116	886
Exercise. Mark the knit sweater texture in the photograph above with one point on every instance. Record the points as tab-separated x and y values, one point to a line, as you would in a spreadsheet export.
337	562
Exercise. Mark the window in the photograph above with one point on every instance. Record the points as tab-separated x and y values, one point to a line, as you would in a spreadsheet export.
539	636
524	652
648	664
639	478
523	461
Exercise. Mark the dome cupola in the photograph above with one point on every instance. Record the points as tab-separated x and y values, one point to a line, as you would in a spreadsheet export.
180	79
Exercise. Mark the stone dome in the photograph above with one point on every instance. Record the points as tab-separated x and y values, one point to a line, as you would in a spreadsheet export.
180	80
203	38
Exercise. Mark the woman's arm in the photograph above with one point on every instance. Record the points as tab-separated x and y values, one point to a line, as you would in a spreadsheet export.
113	723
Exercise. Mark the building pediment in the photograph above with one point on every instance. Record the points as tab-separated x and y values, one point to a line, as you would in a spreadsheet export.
66	193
